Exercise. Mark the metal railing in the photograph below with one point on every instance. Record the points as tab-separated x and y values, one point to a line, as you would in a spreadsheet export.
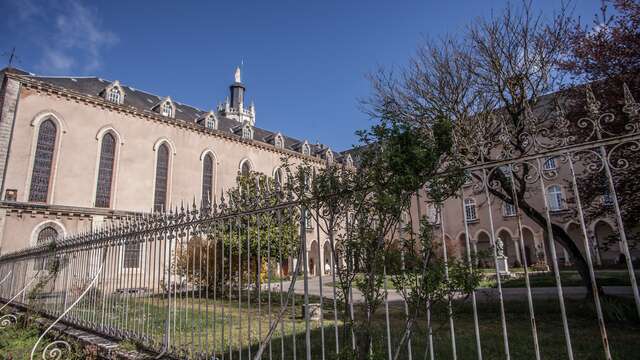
221	281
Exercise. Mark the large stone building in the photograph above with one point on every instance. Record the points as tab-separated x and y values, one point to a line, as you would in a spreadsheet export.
78	151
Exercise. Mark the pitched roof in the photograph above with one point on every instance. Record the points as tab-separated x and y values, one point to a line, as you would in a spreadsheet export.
145	102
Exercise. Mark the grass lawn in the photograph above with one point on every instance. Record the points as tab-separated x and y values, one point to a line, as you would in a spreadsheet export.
567	277
197	326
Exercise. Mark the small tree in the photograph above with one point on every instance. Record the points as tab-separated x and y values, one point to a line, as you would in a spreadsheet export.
262	230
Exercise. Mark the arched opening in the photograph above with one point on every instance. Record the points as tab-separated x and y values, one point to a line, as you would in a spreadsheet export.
607	243
575	233
328	259
529	244
313	258
245	167
483	250
509	248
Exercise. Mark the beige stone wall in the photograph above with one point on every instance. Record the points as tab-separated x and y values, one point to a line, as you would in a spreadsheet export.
81	126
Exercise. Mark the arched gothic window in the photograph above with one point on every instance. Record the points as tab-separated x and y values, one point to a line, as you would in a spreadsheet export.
114	95
306	150
207	179
43	161
245	168
470	210
162	178
167	109
105	171
555	198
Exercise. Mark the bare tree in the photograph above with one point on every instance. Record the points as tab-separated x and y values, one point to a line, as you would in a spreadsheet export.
487	80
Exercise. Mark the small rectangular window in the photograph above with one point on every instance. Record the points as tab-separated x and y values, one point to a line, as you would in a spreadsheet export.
131	256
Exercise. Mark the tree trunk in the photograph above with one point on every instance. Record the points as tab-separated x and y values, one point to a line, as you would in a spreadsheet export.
561	237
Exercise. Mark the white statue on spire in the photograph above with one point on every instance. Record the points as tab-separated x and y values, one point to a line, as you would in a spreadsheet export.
237	75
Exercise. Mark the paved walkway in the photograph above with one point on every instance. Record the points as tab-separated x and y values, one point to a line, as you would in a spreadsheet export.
482	294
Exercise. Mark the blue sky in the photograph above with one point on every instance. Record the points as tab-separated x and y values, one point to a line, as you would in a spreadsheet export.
304	62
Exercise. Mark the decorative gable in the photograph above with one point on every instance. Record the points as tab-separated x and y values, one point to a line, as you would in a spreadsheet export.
114	93
166	107
209	120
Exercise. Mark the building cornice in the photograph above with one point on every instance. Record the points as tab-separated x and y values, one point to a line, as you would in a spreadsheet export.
26	208
42	86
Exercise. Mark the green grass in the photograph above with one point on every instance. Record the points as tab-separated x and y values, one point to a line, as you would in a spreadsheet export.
194	326
567	277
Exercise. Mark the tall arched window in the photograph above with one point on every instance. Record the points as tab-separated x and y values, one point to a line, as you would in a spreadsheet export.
162	177
555	198
43	161
105	171
207	179
245	168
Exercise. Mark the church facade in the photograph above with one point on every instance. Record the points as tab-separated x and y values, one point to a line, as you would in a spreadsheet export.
76	152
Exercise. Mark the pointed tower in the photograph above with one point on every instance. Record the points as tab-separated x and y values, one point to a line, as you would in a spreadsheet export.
237	91
235	109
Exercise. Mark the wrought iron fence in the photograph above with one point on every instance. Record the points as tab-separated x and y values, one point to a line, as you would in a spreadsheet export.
221	281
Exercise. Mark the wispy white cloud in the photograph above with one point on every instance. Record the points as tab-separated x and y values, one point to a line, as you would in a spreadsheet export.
69	34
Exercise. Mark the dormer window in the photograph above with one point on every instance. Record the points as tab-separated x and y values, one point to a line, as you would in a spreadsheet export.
329	156
114	95
208	120
306	149
247	132
278	141
167	109
348	161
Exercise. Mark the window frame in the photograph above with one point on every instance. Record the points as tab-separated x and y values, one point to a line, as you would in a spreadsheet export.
114	95
506	205
556	193
167	177
38	156
207	199
549	163
167	109
470	207
112	175
125	258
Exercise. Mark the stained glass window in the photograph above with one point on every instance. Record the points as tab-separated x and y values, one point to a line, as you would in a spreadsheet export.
162	176
41	175
207	179
105	171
